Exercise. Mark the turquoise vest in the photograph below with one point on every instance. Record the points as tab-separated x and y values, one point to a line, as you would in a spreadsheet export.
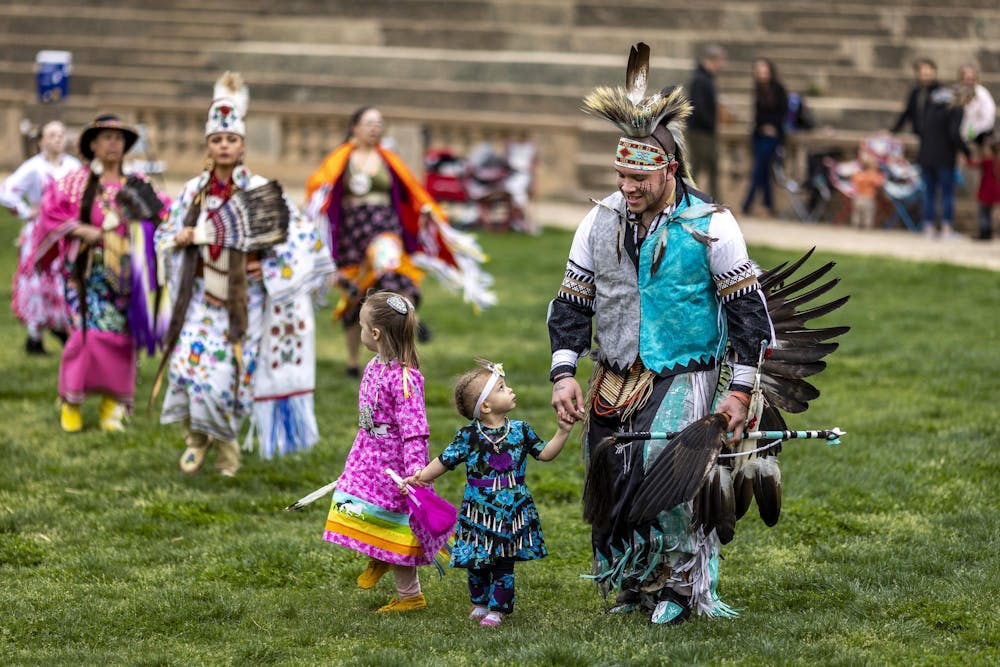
681	320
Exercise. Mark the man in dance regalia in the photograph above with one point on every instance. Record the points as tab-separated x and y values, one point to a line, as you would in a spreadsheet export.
658	275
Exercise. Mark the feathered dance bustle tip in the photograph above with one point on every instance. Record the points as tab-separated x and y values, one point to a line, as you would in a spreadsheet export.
231	85
680	470
598	487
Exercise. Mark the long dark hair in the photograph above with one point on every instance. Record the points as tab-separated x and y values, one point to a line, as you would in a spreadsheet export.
767	92
78	272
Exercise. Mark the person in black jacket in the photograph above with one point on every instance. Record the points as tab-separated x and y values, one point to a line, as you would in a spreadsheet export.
940	141
925	71
770	108
703	124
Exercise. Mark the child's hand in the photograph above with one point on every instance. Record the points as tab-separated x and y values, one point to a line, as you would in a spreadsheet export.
566	426
414	480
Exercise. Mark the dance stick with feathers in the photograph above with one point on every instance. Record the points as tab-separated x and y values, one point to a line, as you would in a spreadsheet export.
831	435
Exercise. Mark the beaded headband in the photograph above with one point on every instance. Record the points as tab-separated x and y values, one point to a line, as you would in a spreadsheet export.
633	154
496	372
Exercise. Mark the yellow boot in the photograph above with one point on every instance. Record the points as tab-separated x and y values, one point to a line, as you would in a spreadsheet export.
376	568
71	419
228	461
111	414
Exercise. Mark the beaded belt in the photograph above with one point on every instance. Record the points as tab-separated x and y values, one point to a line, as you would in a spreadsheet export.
496	482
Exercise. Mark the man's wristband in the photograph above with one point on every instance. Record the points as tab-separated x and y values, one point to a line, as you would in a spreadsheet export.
742	397
561	373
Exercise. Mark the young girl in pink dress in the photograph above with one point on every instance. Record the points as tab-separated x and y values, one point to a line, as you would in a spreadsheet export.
369	513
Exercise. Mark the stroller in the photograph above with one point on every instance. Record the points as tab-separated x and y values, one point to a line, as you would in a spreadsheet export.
486	190
810	198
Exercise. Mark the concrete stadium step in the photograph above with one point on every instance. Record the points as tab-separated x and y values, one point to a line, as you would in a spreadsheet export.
108	51
432	65
517	36
443	11
116	21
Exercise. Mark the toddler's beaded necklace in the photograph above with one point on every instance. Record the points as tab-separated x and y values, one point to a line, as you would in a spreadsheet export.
500	438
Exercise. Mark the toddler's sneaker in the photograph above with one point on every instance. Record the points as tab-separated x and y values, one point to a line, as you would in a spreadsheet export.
478	612
491	620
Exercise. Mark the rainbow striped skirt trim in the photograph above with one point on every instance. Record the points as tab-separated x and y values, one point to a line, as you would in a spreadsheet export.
374	531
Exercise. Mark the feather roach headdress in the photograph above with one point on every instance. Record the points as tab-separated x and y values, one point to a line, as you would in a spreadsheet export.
653	126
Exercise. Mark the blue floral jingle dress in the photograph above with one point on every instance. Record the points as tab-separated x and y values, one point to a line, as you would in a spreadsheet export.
498	518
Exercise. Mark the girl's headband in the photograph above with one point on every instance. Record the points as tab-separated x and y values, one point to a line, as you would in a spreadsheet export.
496	372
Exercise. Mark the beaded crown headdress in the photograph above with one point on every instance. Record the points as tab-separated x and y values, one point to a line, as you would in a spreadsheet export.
228	111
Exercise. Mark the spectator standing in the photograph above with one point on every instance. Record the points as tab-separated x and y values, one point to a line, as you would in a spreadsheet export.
925	71
940	141
704	120
981	112
770	109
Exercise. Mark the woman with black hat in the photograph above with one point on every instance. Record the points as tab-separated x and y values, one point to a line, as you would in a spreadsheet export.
100	222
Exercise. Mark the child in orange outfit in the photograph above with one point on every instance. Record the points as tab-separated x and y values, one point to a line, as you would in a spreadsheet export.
867	182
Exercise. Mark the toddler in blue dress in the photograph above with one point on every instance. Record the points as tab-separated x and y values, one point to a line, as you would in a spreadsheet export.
498	522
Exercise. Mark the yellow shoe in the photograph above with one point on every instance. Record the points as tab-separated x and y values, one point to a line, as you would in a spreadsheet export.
71	418
375	571
411	603
111	414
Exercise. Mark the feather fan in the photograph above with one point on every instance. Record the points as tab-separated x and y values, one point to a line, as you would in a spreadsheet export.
249	221
139	200
680	470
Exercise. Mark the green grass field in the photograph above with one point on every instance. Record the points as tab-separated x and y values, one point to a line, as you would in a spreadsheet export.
886	552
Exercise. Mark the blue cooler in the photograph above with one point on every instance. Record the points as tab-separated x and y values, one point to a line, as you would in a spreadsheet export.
52	70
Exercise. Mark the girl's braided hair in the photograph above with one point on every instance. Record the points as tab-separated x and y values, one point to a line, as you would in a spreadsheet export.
467	389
